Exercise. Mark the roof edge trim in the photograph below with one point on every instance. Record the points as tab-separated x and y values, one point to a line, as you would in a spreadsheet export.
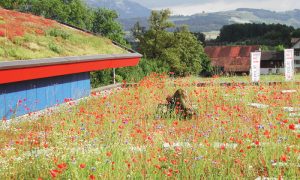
64	60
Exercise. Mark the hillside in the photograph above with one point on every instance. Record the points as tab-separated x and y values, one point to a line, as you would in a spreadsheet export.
125	8
206	22
25	36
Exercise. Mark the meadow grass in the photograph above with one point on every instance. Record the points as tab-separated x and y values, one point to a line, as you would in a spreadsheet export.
247	79
25	36
32	46
120	136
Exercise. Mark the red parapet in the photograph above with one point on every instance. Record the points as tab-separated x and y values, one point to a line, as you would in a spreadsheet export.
37	72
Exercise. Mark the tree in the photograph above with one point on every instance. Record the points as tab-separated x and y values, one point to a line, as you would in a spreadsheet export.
180	50
73	12
256	34
200	37
296	33
153	41
13	4
185	56
105	23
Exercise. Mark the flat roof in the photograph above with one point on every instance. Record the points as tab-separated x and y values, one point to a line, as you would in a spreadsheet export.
64	60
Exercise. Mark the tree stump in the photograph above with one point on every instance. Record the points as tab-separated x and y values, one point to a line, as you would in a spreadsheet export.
179	104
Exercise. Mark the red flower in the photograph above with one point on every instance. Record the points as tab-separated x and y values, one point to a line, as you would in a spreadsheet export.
292	126
82	166
108	154
175	123
54	173
62	166
92	177
283	158
2	34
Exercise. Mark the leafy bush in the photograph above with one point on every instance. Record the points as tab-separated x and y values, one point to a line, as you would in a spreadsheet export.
58	33
53	47
129	74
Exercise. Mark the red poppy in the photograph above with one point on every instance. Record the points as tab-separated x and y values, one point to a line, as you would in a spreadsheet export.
2	33
108	154
54	173
283	158
62	166
82	166
292	126
92	177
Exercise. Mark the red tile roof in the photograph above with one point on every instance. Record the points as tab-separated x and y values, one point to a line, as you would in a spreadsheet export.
231	58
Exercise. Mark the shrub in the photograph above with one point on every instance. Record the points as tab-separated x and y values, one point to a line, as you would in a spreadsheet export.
53	47
58	33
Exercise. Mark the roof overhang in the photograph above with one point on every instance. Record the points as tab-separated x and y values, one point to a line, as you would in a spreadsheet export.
16	71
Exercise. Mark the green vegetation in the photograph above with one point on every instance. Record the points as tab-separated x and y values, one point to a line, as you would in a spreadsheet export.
58	41
241	132
180	51
258	34
73	12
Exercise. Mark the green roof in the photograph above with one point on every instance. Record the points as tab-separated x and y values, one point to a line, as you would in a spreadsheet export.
25	36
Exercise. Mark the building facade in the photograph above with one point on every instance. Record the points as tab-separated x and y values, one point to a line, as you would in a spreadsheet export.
296	47
231	59
236	59
272	62
32	85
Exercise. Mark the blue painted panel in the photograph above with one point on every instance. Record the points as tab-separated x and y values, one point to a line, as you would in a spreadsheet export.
50	92
66	83
83	86
14	97
87	84
31	98
59	90
41	97
74	87
2	102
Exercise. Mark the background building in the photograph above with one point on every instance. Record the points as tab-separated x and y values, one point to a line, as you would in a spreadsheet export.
296	47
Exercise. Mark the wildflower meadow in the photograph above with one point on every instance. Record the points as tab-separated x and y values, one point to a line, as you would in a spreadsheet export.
241	131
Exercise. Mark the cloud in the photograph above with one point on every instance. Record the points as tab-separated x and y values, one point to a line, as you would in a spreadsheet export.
188	7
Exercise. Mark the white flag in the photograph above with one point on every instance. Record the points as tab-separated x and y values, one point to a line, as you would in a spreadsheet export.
255	66
289	64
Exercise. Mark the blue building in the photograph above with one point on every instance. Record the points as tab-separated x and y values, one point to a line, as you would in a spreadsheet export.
33	85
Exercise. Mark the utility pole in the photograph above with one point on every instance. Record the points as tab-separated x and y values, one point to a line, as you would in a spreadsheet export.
114	72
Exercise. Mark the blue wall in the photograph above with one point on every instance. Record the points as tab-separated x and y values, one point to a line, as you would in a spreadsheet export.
21	98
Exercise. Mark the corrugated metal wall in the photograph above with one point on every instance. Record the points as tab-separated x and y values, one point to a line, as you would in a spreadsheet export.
21	98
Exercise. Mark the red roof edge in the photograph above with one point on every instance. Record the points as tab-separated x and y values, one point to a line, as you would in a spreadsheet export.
36	72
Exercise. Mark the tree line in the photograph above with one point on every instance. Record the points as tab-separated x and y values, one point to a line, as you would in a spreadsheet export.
258	34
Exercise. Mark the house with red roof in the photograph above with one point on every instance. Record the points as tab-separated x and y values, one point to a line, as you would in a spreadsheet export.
236	59
231	59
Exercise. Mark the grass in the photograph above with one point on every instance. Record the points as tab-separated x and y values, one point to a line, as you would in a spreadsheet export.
121	136
24	36
247	79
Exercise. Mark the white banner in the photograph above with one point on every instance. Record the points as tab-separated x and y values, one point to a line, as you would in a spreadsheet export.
255	66
289	64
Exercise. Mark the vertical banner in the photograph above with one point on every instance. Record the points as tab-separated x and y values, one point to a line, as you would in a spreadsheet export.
289	64
255	66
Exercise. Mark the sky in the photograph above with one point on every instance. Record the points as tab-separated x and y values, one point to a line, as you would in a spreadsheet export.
188	7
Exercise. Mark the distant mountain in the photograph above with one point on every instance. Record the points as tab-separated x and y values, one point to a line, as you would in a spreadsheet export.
125	8
206	22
